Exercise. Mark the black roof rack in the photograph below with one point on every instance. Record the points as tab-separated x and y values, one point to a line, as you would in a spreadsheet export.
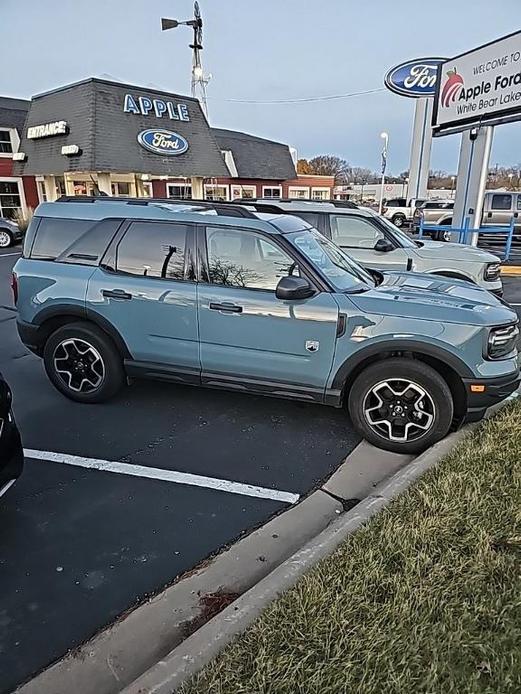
223	209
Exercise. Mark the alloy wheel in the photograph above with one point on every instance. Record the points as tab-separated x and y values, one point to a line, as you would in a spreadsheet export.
79	365
5	239
399	410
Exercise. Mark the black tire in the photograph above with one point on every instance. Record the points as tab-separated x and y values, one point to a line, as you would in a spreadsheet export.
106	376
396	370
6	238
398	220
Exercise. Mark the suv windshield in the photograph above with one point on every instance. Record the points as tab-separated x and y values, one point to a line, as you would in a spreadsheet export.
341	270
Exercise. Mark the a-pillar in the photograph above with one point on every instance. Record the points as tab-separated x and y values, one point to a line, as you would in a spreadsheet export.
104	184
49	183
197	188
473	165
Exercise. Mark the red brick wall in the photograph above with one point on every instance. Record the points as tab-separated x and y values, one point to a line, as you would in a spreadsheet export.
31	191
159	189
6	167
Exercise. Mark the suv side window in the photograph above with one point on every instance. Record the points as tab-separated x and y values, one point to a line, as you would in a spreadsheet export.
501	202
519	202
354	232
238	258
153	249
309	217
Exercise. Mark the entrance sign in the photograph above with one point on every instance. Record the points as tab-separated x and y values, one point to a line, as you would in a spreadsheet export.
481	87
162	142
144	106
59	127
414	78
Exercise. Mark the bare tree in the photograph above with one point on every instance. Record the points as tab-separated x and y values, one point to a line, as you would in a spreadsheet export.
331	165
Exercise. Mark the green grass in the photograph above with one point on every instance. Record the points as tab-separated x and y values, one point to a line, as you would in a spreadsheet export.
426	598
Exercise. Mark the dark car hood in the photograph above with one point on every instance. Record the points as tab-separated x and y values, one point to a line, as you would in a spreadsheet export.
429	297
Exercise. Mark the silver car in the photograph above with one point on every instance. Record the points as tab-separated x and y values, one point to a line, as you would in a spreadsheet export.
377	244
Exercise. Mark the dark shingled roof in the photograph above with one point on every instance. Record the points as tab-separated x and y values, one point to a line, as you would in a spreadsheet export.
107	136
13	113
256	157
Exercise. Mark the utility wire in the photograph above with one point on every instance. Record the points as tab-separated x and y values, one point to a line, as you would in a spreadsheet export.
304	99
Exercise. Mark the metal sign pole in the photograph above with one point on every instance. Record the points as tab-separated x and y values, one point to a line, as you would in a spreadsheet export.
420	149
472	179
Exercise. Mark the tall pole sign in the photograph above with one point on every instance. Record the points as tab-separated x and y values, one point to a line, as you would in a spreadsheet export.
476	91
417	79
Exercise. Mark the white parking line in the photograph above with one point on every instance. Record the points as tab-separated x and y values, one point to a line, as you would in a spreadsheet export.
8	255
155	473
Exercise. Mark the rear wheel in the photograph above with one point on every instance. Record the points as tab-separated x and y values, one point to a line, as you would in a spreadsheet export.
83	363
401	405
6	238
445	235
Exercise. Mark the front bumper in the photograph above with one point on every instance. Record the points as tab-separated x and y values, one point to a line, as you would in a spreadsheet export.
482	393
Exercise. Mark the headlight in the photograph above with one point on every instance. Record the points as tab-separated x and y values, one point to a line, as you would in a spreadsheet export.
492	272
502	341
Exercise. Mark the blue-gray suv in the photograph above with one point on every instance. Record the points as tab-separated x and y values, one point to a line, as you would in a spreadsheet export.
110	290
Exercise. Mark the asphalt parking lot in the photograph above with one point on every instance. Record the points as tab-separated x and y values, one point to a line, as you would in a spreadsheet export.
180	473
117	500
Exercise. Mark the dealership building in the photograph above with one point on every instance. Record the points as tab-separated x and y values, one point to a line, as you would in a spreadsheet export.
104	137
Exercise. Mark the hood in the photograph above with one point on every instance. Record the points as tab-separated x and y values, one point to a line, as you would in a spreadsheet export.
418	295
438	250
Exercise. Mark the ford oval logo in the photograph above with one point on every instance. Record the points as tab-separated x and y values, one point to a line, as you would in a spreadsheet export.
415	78
162	142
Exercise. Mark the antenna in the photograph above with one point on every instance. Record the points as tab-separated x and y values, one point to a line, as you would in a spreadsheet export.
199	79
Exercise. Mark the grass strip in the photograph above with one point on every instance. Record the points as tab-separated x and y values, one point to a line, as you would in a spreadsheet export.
426	598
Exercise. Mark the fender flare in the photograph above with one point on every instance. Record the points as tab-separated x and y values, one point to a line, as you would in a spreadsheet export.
347	368
85	314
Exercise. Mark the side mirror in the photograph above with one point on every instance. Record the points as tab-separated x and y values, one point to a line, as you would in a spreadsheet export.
293	288
383	246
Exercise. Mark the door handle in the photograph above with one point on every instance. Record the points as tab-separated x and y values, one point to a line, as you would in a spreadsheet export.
225	307
516	215
120	294
489	215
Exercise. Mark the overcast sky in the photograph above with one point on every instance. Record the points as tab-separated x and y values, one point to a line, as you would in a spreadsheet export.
268	50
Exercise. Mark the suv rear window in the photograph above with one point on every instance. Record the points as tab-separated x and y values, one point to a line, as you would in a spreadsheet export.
53	236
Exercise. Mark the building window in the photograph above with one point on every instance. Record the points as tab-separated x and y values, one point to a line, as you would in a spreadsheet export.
120	189
6	143
244	192
320	193
42	195
296	193
147	189
215	192
272	192
10	199
179	191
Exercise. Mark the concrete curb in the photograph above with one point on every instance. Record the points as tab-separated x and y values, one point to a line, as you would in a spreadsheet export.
200	648
510	270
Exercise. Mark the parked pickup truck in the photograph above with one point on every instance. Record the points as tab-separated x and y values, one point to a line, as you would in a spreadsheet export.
499	208
400	211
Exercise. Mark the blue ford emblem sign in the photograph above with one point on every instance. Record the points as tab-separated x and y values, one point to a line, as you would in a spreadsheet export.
415	78
162	142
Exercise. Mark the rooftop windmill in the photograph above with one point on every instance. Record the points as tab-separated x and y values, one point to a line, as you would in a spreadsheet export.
199	79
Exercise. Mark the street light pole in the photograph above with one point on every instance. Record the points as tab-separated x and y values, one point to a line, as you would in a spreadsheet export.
385	138
452	179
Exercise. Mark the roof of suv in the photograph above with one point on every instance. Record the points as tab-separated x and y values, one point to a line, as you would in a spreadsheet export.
169	210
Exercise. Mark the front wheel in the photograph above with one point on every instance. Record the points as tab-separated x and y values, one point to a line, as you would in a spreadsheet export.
401	405
83	363
398	220
6	238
